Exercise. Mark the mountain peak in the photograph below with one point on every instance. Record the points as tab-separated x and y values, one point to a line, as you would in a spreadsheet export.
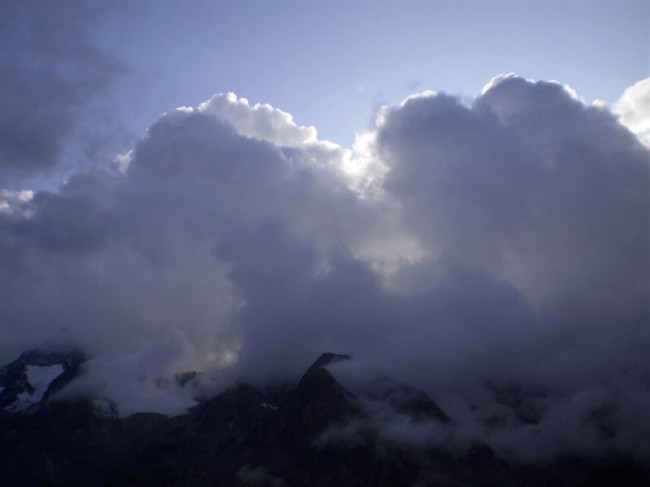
34	376
316	433
317	402
317	377
328	358
42	357
321	362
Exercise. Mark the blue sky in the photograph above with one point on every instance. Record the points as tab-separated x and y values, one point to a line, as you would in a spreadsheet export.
332	64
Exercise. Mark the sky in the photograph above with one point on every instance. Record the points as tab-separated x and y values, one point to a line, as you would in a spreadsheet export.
332	64
329	64
456	194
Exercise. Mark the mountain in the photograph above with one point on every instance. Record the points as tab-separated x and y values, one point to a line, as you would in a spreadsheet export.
33	377
314	432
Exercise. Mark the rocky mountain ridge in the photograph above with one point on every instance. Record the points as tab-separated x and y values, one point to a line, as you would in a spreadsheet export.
36	375
313	433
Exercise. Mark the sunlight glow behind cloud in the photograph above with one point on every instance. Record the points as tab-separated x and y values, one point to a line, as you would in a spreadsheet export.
458	242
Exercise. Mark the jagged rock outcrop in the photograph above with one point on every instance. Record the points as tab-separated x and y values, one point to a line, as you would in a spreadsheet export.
267	436
32	378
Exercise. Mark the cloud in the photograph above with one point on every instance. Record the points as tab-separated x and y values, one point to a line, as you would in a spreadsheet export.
465	248
523	183
115	263
260	121
633	109
50	71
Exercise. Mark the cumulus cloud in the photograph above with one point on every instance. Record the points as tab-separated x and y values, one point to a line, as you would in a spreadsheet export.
116	263
465	248
633	109
261	121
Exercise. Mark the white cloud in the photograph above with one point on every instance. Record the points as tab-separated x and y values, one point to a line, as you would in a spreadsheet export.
261	121
496	80
633	110
504	239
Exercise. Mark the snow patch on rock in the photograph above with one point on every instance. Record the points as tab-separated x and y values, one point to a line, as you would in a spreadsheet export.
40	378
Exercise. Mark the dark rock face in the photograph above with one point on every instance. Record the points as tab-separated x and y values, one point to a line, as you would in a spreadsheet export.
57	444
271	436
14	380
317	403
406	400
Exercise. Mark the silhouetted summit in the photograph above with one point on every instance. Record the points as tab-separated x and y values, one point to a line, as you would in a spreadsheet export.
316	433
32	378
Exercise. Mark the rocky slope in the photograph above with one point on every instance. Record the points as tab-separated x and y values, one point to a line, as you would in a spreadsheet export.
313	433
34	376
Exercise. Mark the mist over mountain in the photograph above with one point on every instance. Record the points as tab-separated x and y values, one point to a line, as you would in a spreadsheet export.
493	254
314	431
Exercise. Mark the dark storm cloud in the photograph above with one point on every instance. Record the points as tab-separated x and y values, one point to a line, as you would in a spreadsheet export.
110	257
51	68
63	224
526	181
498	246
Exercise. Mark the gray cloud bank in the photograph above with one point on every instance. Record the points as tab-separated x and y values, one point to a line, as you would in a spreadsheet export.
467	249
51	71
